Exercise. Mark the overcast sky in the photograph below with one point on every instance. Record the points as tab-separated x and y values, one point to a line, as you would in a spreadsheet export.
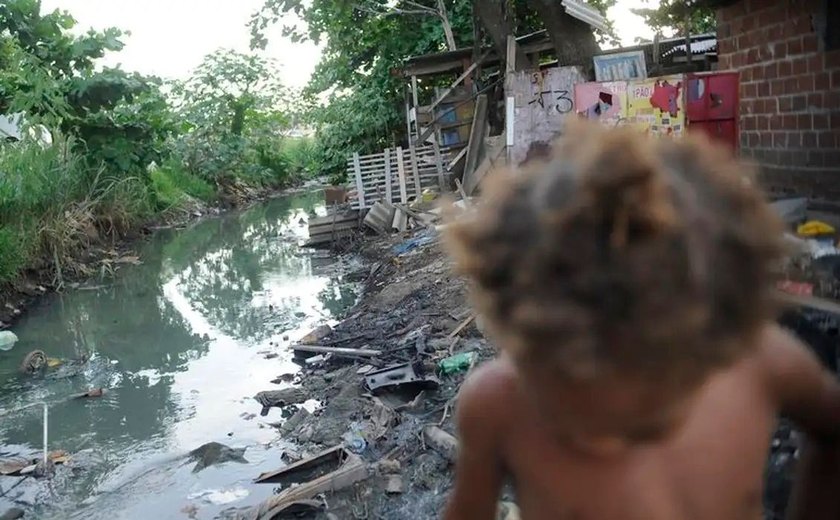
170	37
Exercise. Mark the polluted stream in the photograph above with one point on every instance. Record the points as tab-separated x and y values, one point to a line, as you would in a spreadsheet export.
180	343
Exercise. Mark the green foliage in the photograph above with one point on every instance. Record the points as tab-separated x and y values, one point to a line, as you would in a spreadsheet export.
173	187
669	17
12	255
234	112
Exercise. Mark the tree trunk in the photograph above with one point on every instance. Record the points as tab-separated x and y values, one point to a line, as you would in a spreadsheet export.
574	41
498	27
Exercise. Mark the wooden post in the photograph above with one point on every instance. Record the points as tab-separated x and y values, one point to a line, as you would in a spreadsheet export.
439	166
388	195
415	171
415	99
510	65
360	187
401	175
408	115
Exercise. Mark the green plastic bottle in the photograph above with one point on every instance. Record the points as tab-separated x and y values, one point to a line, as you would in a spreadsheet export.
457	363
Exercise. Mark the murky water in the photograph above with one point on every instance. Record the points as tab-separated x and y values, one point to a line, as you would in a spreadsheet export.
180	345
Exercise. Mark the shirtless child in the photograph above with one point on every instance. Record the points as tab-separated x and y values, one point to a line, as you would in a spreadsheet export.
628	283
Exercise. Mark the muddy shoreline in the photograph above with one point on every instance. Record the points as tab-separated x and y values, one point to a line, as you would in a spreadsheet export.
105	254
414	310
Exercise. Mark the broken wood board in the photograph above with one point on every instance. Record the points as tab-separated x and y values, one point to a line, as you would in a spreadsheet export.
475	145
329	471
442	442
460	328
279	398
309	350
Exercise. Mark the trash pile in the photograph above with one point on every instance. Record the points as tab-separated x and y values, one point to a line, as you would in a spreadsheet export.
387	376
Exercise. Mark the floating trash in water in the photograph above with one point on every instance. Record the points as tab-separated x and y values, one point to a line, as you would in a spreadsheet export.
7	340
220	496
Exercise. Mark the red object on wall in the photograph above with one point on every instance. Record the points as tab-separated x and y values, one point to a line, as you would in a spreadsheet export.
712	105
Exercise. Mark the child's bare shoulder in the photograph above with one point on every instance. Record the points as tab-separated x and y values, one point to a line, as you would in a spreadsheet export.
489	393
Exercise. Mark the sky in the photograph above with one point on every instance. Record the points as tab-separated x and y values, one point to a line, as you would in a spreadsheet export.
170	37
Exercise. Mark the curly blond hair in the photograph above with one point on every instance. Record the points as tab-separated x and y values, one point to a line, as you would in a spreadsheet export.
619	252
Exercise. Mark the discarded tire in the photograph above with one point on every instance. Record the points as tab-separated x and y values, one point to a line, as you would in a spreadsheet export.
34	362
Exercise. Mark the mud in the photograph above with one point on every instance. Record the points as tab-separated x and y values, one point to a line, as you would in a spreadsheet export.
411	304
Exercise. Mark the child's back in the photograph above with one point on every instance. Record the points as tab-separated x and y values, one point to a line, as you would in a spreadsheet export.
629	285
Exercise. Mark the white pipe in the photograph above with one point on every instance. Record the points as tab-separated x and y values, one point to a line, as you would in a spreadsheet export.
46	422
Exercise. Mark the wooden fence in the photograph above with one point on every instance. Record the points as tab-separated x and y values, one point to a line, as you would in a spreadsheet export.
397	175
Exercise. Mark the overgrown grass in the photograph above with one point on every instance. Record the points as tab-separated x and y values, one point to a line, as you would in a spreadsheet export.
172	187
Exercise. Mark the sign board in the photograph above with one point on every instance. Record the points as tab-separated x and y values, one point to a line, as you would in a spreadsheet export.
620	66
657	105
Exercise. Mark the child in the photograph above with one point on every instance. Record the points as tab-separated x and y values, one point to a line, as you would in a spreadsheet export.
629	284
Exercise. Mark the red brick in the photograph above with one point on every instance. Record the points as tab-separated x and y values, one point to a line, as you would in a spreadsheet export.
745	40
724	29
832	59
835	79
780	50
749	74
776	123
799	103
822	81
803	122
766	139
815	64
794	139
795	47
777	87
805	83
799	66
774	33
785	104
792	85
820	121
788	122
815	101
770	71
725	62
832	100
771	16
809	139
752	56
785	69
763	123
738	59
816	158
749	91
764	89
810	43
779	139
825	140
726	45
833	122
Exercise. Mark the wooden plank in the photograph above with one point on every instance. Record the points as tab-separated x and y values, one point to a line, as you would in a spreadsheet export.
338	351
457	159
415	172
458	81
360	188
476	142
388	187
510	59
401	174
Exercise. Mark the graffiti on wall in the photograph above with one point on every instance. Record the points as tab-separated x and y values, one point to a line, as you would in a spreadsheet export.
543	100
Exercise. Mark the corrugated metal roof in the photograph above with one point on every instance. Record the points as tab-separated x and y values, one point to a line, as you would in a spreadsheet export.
586	13
697	47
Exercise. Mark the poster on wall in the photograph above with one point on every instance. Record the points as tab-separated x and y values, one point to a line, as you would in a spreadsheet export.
620	66
657	106
603	102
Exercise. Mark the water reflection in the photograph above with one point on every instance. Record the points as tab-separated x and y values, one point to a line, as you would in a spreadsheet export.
178	342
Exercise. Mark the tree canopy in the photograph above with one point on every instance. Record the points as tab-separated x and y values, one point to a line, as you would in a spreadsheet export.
670	17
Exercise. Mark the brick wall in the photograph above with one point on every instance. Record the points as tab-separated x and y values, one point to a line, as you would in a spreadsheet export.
790	92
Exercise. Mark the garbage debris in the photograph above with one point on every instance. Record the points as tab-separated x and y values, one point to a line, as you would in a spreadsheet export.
329	471
400	377
33	362
394	484
413	243
93	392
279	398
380	217
457	363
7	340
214	453
293	422
219	496
814	228
21	466
305	351
441	442
314	337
